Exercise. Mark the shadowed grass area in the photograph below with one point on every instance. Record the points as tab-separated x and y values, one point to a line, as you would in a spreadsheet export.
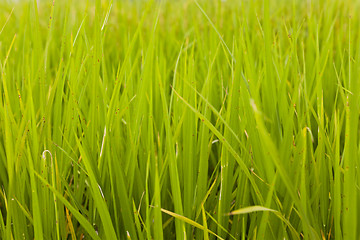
179	119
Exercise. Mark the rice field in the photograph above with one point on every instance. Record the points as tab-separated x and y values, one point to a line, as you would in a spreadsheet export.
187	119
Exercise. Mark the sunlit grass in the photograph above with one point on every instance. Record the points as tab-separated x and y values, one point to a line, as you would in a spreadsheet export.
179	119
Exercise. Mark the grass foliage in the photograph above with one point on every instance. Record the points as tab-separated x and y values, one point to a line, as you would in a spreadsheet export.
179	119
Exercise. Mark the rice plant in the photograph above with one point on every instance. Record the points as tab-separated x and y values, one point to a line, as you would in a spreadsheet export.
187	119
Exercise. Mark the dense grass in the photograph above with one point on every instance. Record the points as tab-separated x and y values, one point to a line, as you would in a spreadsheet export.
179	119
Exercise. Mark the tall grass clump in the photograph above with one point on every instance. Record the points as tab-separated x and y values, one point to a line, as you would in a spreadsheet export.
182	119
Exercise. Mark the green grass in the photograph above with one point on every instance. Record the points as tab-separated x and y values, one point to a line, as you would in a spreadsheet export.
179	119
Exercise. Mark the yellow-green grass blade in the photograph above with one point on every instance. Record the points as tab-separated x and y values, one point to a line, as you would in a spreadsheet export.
188	221
98	199
83	221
